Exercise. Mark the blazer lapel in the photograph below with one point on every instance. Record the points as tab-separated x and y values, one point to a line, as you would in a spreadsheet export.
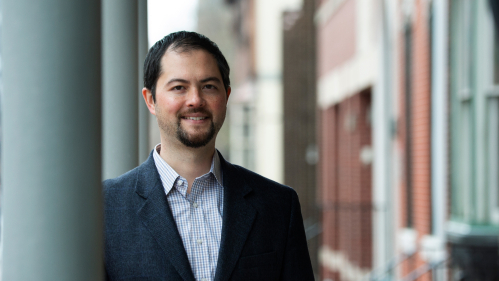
238	217
158	218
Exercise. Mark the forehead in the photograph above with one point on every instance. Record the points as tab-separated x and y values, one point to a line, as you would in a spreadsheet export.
189	62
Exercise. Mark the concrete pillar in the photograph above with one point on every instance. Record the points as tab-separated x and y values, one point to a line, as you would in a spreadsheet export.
119	86
143	111
51	143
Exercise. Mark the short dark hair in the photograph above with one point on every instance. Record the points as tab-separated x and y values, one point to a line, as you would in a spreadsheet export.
181	41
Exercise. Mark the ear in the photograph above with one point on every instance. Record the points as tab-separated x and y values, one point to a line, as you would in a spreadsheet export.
146	93
228	94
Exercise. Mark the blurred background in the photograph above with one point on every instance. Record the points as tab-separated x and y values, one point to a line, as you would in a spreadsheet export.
382	114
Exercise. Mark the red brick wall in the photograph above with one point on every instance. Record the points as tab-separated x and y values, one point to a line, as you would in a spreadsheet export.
341	195
420	129
346	182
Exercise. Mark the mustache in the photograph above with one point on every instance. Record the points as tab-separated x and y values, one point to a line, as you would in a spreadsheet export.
194	110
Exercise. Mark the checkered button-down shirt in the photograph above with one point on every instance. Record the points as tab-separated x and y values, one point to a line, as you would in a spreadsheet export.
198	214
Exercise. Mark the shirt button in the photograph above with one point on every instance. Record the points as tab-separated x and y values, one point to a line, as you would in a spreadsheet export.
200	241
180	182
195	205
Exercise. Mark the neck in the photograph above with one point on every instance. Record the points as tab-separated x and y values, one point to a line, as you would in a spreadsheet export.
188	162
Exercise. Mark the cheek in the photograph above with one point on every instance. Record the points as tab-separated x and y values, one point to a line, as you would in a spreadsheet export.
169	106
220	103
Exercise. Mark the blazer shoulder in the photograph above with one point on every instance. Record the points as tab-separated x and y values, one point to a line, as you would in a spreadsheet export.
137	180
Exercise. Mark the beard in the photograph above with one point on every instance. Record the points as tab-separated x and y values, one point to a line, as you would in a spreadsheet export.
195	141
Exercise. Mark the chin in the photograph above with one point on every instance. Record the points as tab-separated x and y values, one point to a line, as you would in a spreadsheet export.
196	140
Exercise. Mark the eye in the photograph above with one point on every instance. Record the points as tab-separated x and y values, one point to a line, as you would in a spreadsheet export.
178	88
210	87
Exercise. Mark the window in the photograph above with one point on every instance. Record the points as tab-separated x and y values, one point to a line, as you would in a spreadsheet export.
474	114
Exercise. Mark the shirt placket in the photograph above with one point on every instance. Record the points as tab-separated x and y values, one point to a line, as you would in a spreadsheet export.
200	245
185	227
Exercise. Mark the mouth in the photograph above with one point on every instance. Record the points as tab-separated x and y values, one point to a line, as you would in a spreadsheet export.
195	118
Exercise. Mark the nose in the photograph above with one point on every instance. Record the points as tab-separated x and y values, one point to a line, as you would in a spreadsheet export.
195	98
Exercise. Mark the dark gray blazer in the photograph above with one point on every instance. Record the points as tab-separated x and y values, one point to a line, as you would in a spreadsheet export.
262	234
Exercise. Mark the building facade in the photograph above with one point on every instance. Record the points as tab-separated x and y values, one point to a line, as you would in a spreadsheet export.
408	178
348	45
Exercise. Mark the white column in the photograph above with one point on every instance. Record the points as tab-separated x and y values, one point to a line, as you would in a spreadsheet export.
383	112
51	140
439	115
119	86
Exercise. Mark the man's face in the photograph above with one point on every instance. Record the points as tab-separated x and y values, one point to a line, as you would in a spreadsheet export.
190	98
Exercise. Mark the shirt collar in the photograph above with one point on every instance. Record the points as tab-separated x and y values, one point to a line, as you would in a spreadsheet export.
168	175
215	168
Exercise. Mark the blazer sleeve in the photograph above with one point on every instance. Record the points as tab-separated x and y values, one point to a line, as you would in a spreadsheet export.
296	264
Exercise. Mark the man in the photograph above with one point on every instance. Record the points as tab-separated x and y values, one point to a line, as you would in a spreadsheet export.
186	213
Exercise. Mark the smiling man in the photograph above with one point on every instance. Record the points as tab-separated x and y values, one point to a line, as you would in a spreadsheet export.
186	213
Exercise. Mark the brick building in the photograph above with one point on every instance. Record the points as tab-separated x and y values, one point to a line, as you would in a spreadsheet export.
426	77
347	56
448	138
347	196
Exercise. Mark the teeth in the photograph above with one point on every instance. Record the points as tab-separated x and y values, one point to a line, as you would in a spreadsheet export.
195	118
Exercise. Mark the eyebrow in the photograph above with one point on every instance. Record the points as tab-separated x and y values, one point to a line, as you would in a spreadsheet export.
213	78
177	80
